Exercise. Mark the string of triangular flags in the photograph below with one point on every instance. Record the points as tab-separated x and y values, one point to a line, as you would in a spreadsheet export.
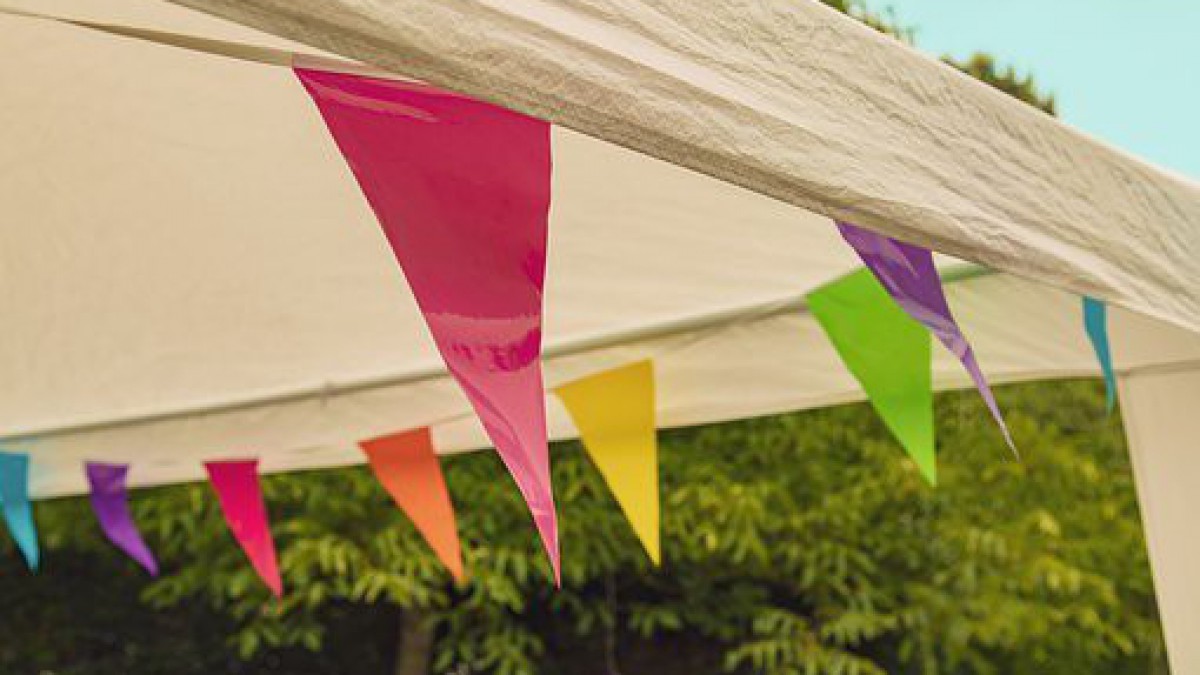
452	178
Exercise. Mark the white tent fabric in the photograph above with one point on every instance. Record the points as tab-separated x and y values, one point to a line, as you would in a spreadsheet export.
1159	408
188	270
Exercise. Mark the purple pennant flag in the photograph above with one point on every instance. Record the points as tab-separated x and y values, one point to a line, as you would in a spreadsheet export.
110	502
908	274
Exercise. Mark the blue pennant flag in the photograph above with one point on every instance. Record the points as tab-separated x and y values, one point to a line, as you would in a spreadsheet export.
1095	320
18	512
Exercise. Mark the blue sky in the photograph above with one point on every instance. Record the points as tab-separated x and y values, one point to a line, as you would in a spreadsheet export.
1126	71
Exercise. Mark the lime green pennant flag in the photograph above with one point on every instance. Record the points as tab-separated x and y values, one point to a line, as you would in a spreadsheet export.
888	353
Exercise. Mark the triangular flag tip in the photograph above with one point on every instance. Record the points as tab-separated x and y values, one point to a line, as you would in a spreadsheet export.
614	412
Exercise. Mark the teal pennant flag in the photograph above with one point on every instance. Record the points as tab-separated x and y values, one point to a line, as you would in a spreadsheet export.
14	498
1095	321
889	354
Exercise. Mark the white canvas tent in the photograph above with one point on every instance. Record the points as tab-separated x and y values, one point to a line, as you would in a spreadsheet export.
189	271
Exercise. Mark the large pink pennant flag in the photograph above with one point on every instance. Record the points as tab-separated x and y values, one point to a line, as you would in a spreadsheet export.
236	484
462	191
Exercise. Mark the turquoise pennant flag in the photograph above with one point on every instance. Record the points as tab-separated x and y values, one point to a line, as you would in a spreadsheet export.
18	512
889	354
1095	321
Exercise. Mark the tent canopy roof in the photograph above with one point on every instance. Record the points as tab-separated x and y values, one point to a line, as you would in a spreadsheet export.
210	282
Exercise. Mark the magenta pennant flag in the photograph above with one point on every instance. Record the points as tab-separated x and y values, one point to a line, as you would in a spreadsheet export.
462	191
236	484
110	503
910	277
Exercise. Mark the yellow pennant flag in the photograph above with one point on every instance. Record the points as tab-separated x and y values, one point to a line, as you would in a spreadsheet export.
614	413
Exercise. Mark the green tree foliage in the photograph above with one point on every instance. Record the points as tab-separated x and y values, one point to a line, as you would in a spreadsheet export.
1006	79
884	22
980	66
803	543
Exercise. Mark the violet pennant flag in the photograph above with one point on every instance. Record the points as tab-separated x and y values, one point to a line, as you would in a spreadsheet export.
614	412
889	354
910	277
240	497
462	191
408	468
18	512
1095	322
110	503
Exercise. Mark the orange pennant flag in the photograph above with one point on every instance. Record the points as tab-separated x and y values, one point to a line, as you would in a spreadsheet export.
408	468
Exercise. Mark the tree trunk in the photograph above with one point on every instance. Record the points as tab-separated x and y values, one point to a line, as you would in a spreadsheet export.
415	643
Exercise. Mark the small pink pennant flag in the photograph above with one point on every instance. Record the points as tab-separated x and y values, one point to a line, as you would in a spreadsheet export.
462	191
236	484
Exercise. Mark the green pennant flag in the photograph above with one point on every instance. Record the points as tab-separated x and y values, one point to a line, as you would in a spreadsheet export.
888	353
